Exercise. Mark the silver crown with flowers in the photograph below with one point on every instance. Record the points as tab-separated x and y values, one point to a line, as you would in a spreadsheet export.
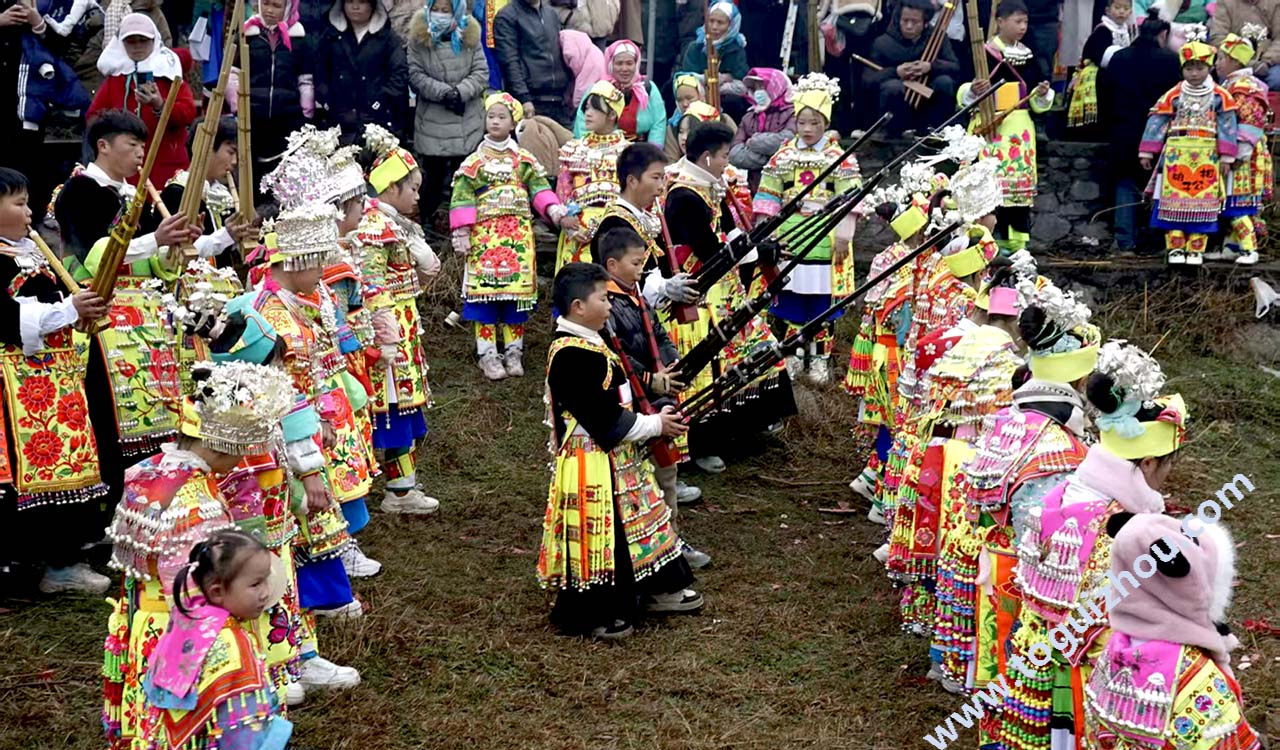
977	189
818	82
346	179
303	171
307	236
242	406
1136	374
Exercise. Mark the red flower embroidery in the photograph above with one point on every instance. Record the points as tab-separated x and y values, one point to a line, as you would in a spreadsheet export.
508	227
126	369
43	449
37	393
72	411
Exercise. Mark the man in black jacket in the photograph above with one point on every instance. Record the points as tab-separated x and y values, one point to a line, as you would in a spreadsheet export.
526	34
899	51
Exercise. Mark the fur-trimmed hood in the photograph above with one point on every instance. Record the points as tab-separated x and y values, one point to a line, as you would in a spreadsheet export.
419	32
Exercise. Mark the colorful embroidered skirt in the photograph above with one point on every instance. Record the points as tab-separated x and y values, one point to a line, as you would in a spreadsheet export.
501	266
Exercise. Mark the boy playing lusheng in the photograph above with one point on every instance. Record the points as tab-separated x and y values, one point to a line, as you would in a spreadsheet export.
606	537
1016	76
48	491
642	340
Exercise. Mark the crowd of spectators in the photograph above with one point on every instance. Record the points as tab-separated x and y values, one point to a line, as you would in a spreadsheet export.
422	71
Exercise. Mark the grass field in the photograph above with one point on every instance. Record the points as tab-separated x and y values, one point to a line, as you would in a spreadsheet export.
798	646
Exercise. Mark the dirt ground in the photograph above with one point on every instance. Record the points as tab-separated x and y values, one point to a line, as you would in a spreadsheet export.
798	646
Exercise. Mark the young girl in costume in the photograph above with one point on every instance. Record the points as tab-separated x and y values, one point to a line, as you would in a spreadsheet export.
396	258
1193	131
607	539
496	193
644	114
1116	32
50	490
959	369
1250	179
588	180
826	273
1064	550
1030	447
299	244
689	88
1022	91
172	501
1165	679
208	685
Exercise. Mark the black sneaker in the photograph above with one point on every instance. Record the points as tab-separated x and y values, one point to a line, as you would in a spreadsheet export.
618	630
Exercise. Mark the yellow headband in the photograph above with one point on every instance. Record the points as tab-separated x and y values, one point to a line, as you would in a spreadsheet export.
1064	367
907	223
1159	438
611	95
189	421
691	80
819	101
702	112
390	169
975	257
1237	48
1197	52
506	100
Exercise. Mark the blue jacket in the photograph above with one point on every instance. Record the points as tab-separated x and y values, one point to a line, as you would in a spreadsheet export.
651	122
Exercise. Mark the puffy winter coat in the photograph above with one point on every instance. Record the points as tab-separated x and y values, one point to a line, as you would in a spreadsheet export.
274	74
361	81
433	69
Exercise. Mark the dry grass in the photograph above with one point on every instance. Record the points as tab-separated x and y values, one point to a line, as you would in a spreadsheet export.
798	647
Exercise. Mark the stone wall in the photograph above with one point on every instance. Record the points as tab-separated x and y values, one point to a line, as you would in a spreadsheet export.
1074	186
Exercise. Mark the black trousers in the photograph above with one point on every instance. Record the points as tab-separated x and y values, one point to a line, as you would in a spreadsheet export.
437	185
931	113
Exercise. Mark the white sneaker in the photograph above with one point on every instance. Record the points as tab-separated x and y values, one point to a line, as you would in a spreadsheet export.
795	365
864	487
349	611
710	464
75	579
1219	254
492	366
935	672
686	600
294	694
819	370
358	564
687	494
1177	257
882	553
951	686
1248	259
413	503
1195	259
319	672
876	515
512	363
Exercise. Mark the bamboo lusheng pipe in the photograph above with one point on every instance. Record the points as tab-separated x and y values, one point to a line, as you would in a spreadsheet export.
908	85
244	146
729	255
63	274
104	282
202	144
713	71
156	201
914	96
721	333
709	399
977	48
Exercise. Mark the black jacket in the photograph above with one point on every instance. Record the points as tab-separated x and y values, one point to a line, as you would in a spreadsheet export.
574	378
628	324
85	212
1127	89
361	82
891	49
273	75
527	40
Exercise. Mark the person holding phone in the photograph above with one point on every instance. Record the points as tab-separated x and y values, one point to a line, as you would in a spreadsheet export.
139	70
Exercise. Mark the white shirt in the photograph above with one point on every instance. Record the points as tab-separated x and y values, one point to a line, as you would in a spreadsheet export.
38	319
